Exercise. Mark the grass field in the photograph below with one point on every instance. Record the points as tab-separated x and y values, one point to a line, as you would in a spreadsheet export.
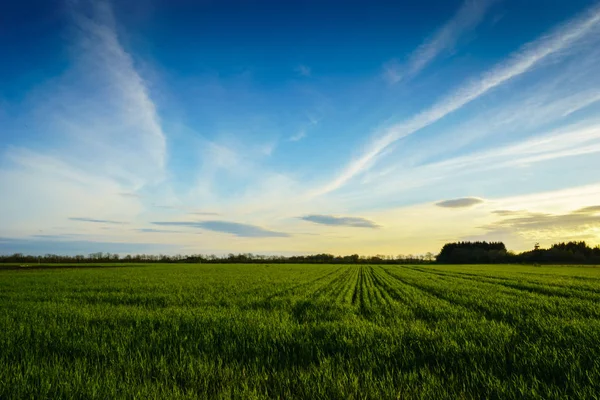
300	331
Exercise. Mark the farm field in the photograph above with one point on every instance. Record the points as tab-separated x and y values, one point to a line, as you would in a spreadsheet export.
300	331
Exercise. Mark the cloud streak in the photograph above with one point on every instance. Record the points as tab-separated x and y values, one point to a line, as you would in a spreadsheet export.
575	140
519	63
98	137
101	109
205	213
303	70
96	221
564	142
468	16
132	195
464	202
233	228
151	230
298	136
331	220
581	221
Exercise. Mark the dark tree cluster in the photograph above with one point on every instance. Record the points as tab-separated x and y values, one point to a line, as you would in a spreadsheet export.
571	252
473	253
495	253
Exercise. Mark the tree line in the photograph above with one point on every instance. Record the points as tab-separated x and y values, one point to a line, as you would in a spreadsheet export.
247	258
452	253
496	253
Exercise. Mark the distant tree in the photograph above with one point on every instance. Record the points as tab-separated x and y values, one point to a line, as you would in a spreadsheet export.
472	253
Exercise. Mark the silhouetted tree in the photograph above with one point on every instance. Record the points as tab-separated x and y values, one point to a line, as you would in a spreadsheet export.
473	253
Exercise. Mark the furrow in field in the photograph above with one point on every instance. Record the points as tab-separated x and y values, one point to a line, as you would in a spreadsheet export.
442	295
593	281
295	289
346	286
382	287
395	289
587	279
549	288
379	297
348	293
421	303
585	288
383	297
505	304
341	285
367	289
365	294
360	302
330	289
357	287
371	307
546	289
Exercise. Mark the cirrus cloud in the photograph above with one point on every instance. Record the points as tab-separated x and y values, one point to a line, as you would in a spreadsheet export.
96	221
340	221
578	220
233	228
460	203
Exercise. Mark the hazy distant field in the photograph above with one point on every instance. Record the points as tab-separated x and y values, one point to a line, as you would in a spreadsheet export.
300	331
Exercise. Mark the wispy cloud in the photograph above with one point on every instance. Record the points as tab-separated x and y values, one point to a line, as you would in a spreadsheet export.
128	194
151	230
298	136
460	203
393	71
589	210
581	221
244	230
104	130
505	213
303	70
564	142
62	191
575	140
553	44
165	207
97	221
50	237
567	92
469	15
303	131
234	228
545	217
204	213
520	115
356	222
103	104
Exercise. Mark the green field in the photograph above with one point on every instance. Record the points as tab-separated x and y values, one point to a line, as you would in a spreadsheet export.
300	331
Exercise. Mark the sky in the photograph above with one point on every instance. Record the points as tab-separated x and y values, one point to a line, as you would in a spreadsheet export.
297	127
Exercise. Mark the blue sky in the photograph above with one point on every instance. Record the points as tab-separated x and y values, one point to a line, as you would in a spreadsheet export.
297	127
